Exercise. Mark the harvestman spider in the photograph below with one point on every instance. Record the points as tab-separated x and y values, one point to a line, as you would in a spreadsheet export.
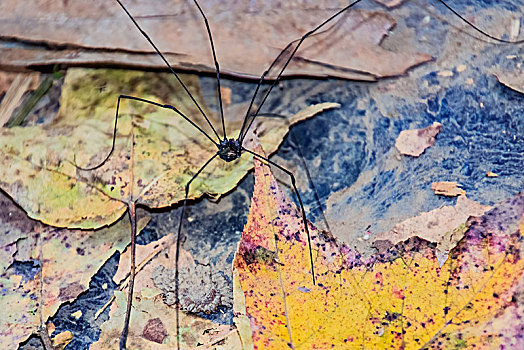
229	149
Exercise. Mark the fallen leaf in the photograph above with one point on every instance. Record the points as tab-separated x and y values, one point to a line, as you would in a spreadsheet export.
21	84
390	3
153	319
447	188
167	151
77	314
512	79
445	73
66	259
399	298
449	241
241	319
61	340
433	225
414	142
7	78
17	57
155	330
248	36
143	254
146	309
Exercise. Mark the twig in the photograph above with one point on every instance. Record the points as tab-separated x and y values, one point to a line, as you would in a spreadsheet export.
13	96
140	266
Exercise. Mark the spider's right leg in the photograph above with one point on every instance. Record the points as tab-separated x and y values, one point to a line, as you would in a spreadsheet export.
295	143
301	205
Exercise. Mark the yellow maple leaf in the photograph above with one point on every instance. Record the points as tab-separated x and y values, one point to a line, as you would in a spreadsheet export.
399	298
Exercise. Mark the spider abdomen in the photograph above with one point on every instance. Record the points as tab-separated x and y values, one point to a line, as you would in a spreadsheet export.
229	149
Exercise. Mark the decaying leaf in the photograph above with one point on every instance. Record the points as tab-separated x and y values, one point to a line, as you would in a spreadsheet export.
18	86
447	188
390	3
514	79
399	298
37	166
153	320
61	340
433	225
65	260
6	79
449	241
144	254
247	35
414	142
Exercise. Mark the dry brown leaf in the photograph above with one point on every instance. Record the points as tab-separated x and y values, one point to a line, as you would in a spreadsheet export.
433	225
447	188
390	3
143	256
248	35
514	80
414	142
20	57
61	340
19	85
7	78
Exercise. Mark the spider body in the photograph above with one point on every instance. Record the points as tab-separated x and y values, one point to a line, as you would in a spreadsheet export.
229	149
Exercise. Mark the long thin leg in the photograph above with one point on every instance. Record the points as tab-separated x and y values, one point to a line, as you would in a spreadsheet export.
243	130
169	66
177	253
300	41
303	159
477	28
217	68
261	80
293	182
131	284
145	101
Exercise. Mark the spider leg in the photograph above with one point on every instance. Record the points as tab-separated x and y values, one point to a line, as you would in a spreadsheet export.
166	106
217	67
486	34
171	69
245	125
177	254
304	165
293	182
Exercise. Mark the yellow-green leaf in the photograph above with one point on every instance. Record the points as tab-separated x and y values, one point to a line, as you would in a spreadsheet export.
156	151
